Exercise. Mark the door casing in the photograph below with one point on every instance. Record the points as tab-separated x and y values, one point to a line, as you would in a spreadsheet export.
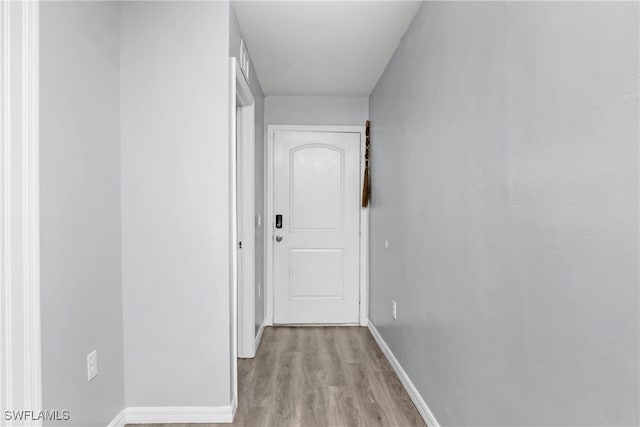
242	302
270	215
20	331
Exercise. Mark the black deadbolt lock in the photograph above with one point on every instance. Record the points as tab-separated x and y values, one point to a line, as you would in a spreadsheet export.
278	221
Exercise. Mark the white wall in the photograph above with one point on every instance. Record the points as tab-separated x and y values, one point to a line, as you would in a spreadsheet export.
81	294
175	202
505	177
316	110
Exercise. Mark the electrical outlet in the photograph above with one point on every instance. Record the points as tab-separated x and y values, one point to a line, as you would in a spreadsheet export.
395	310
386	244
92	365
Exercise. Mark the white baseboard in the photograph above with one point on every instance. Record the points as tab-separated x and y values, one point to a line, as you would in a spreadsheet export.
174	414
119	420
259	335
415	396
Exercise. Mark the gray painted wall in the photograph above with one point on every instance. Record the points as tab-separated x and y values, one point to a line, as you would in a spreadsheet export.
316	110
234	50
505	177
80	210
175	198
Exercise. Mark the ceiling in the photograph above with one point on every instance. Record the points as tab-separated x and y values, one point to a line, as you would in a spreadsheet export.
322	47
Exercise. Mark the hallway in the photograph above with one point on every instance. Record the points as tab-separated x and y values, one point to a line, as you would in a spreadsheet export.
319	376
456	181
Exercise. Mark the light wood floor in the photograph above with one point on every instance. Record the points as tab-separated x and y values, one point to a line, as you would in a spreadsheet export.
319	377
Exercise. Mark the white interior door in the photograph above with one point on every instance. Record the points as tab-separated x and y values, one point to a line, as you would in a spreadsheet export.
316	250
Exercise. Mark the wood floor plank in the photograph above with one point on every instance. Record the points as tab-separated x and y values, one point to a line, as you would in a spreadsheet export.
343	408
318	377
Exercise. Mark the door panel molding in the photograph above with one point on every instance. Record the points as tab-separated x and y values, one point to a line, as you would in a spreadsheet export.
270	215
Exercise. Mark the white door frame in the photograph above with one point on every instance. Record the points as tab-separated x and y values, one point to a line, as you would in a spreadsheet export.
20	354
243	284
269	217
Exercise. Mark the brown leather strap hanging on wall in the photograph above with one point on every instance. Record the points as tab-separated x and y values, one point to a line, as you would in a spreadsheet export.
366	181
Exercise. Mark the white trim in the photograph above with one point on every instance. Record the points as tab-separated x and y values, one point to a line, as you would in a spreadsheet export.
20	353
246	181
269	215
6	377
178	414
30	200
267	225
364	239
260	332
242	307
411	389
234	409
119	420
233	231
